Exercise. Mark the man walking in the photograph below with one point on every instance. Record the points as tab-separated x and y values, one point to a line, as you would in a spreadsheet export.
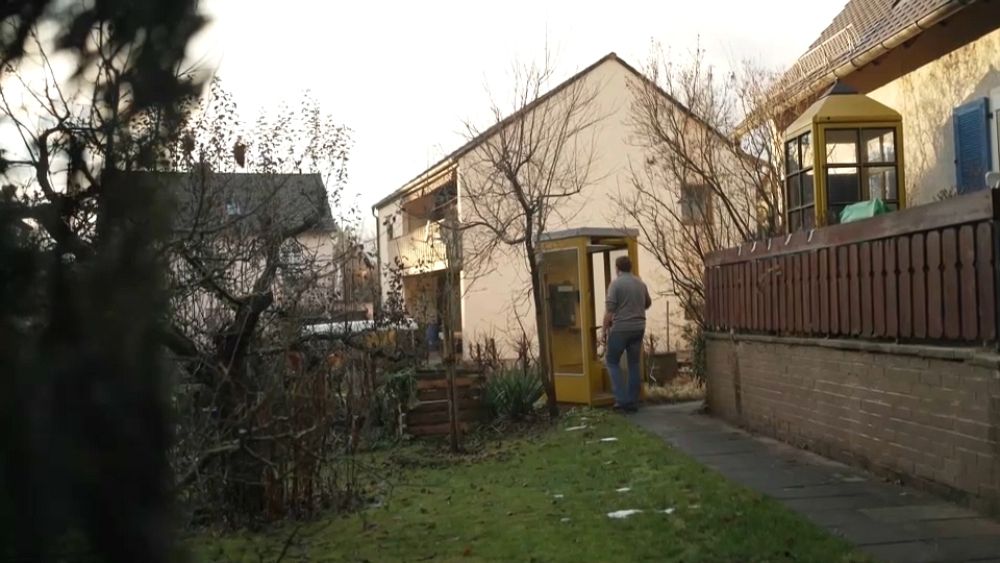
624	327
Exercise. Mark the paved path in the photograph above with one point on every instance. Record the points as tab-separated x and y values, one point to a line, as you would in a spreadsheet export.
889	522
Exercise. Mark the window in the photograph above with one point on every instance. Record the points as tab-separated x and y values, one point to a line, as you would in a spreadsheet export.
444	199
800	183
293	260
393	226
860	165
972	145
696	204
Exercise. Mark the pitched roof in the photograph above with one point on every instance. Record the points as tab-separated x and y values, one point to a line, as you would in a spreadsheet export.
859	28
478	139
251	201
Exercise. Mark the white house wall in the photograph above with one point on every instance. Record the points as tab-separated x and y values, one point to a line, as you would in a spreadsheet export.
489	301
926	98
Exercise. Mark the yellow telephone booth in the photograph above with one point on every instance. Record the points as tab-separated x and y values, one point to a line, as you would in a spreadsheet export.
844	149
576	267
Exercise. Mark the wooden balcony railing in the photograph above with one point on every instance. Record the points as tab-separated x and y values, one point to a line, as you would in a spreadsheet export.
924	274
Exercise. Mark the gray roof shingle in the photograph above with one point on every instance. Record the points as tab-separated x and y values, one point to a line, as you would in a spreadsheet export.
860	26
248	200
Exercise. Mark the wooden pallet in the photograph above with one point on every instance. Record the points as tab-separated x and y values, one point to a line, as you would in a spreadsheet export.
429	417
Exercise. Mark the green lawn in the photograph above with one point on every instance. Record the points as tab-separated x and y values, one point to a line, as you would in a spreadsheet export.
546	497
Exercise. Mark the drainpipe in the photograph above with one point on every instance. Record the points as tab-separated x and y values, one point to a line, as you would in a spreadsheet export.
378	259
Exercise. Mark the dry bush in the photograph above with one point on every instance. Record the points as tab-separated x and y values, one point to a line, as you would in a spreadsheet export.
681	389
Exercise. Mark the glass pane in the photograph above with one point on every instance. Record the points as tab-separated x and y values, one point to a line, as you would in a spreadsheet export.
842	185
881	182
808	187
809	217
807	150
880	145
833	214
794	221
791	157
841	146
561	275
793	191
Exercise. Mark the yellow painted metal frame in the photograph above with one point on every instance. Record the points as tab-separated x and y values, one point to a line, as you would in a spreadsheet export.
843	111
592	386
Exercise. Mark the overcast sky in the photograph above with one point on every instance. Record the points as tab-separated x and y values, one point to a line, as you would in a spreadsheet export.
404	75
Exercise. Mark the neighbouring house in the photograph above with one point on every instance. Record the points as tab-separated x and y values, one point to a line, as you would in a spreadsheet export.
325	267
877	342
497	305
936	62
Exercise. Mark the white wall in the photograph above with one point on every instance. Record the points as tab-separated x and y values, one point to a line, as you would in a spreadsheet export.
388	248
495	299
926	98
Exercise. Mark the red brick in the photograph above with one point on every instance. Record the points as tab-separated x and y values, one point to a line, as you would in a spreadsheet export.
915	415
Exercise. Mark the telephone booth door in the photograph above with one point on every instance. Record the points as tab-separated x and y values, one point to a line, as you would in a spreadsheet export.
564	318
600	266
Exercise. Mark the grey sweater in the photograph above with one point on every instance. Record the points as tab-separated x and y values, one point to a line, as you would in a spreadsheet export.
627	301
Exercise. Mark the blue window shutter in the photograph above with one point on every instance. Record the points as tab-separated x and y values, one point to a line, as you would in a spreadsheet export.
972	145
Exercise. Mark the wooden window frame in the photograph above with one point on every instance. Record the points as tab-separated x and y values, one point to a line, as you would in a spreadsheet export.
861	164
804	168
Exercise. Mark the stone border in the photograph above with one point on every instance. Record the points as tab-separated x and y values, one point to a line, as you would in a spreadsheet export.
976	356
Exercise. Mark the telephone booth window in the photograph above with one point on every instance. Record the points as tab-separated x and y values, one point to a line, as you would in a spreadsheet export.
879	175
861	165
842	173
799	183
846	148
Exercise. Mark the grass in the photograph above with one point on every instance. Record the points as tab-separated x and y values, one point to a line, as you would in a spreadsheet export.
545	496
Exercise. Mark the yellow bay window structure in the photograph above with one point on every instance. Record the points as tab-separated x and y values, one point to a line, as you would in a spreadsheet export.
844	149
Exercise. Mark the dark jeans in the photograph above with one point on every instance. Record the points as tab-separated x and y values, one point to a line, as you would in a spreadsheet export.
629	342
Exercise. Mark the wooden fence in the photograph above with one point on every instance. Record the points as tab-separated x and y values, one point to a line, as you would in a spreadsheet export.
928	273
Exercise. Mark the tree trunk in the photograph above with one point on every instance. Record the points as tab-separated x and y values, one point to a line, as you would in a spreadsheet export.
449	363
452	240
245	489
544	357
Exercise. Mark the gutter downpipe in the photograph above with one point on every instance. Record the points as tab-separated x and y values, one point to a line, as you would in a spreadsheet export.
900	37
378	261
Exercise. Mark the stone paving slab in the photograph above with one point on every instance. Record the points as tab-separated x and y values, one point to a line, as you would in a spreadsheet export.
889	522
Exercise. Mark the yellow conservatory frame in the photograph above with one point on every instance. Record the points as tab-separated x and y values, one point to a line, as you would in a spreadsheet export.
572	314
840	113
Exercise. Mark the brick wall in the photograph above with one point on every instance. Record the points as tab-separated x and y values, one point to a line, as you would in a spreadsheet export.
928	415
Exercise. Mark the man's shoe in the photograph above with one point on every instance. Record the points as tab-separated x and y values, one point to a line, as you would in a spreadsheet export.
631	409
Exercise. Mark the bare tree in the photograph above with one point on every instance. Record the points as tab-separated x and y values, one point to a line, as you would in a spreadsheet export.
452	239
712	177
520	178
255	257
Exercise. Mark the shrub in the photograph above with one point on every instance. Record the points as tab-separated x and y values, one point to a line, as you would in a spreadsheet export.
695	336
512	393
683	388
394	397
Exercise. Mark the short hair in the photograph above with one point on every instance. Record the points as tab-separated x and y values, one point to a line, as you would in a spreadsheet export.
623	264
